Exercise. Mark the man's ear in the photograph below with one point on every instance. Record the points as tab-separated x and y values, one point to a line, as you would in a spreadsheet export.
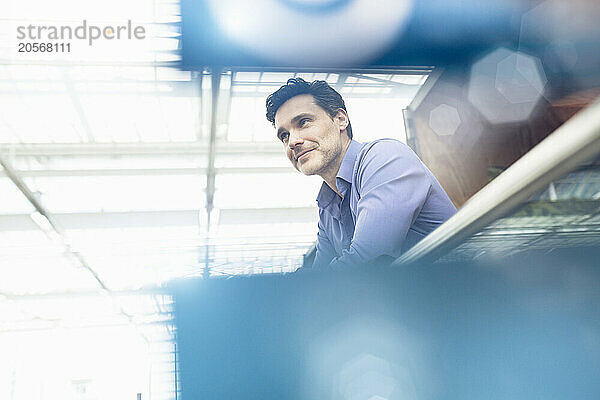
341	118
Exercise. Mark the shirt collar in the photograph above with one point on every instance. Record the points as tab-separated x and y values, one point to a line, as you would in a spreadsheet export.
326	194
347	167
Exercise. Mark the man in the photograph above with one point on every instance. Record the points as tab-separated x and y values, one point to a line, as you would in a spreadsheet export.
377	199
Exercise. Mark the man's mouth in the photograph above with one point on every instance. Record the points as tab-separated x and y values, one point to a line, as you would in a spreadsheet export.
302	153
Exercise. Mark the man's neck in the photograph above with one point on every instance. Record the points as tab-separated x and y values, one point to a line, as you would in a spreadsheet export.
330	176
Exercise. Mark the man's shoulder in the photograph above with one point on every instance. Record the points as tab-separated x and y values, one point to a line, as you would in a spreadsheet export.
384	149
385	160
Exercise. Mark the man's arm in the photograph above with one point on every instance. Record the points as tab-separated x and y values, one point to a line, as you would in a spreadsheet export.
393	186
325	250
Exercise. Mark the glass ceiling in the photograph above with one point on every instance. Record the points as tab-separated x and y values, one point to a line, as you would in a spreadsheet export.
114	146
112	142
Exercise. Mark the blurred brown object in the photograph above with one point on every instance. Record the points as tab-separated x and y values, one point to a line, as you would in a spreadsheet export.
566	107
461	160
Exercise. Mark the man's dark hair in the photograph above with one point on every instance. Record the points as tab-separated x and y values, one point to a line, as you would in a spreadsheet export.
325	97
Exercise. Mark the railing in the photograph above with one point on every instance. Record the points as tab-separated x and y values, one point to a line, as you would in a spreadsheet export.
575	142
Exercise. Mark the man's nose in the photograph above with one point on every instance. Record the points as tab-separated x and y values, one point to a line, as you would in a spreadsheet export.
294	140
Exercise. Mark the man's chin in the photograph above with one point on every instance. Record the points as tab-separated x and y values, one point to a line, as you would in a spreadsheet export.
306	170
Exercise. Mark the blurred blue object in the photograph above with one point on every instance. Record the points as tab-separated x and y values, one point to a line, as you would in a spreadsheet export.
520	328
343	34
351	33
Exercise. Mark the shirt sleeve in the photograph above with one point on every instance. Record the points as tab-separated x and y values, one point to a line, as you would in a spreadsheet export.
325	250
393	185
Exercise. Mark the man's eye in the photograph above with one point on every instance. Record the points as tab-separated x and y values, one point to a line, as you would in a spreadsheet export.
283	136
303	122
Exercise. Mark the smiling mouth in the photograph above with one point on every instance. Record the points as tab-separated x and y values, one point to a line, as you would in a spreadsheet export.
303	154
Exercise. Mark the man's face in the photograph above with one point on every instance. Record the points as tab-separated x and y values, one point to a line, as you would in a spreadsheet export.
314	142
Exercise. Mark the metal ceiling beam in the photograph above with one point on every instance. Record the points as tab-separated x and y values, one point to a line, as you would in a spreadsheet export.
69	63
175	218
53	229
425	89
210	169
341	81
378	83
393	95
400	70
176	92
151	171
134	149
197	77
124	82
212	140
14	176
85	294
37	325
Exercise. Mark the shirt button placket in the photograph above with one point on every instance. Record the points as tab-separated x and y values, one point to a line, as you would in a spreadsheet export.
346	223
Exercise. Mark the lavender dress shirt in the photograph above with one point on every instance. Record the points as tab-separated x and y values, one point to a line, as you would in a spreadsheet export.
390	201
